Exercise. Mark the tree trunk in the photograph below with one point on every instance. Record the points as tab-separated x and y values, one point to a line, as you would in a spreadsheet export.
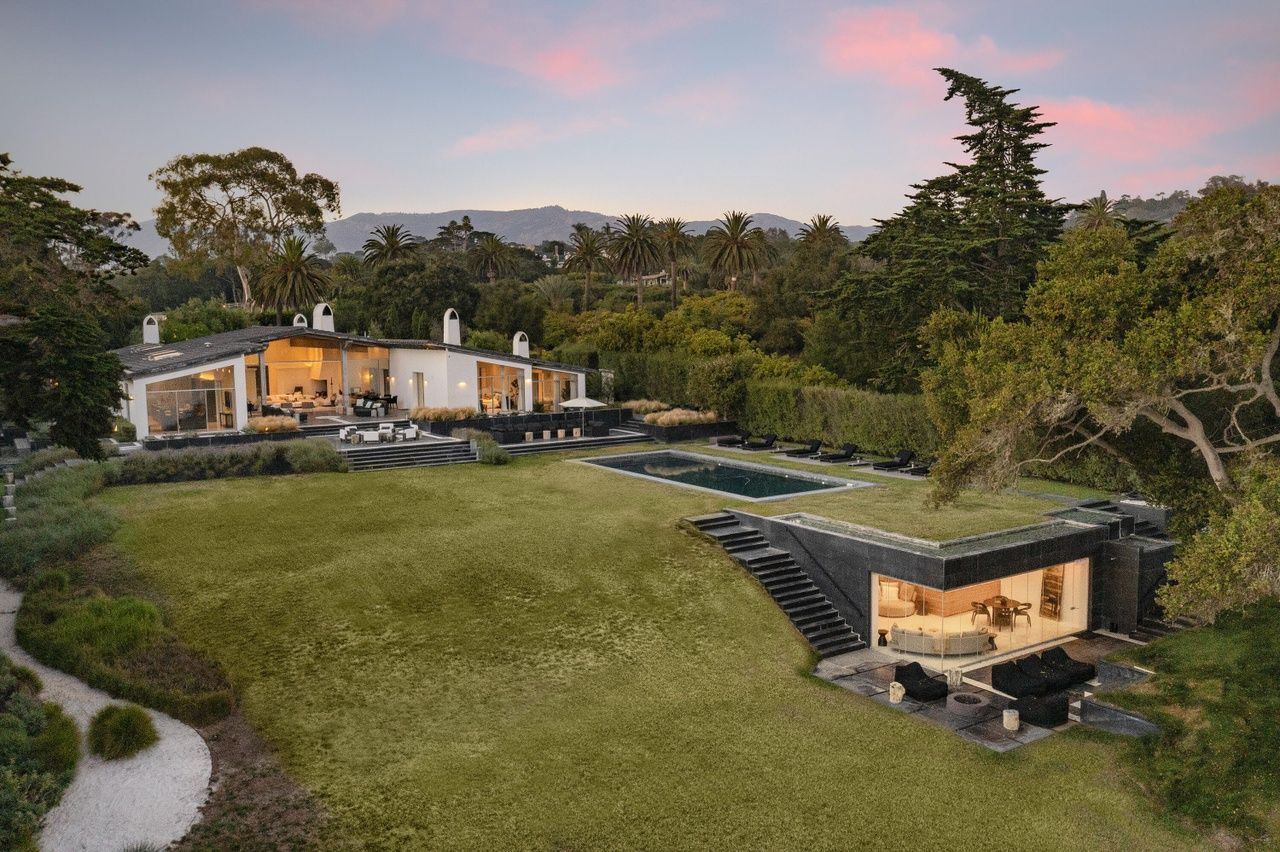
279	315
675	291
586	291
244	285
1194	431
639	292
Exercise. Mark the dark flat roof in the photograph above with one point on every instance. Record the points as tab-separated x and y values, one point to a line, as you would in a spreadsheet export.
144	359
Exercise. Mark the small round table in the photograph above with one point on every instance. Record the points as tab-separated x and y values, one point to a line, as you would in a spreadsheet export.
882	641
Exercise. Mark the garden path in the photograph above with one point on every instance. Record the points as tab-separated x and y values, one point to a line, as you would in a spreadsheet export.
153	797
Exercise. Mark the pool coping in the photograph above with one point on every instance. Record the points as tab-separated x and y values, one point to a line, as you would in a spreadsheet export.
786	473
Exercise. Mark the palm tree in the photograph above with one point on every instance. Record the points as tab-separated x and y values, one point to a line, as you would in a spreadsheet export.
294	277
734	246
822	230
389	243
587	253
491	256
634	249
1099	212
673	239
556	292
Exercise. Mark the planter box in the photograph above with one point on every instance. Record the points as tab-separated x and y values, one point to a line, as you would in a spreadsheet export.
691	432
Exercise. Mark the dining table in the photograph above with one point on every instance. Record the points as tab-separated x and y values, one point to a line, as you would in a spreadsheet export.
1002	609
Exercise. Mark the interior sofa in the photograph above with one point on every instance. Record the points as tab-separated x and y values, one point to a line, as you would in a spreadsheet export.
915	640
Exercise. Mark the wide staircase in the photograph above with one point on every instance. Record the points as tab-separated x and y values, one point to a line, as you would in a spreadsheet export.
422	453
612	440
330	430
809	609
1146	529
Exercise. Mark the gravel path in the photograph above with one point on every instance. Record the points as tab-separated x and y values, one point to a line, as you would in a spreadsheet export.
153	797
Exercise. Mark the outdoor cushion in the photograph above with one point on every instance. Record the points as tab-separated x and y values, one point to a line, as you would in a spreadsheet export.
1058	658
1056	678
1047	712
1011	680
918	684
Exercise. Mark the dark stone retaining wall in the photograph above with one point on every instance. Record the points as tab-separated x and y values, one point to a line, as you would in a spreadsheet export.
611	417
688	432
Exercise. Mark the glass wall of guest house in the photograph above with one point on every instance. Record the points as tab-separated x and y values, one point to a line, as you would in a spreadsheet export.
550	388
196	402
500	387
964	625
307	369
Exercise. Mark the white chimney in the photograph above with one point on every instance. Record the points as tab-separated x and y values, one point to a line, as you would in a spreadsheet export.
452	328
520	344
151	329
322	317
299	321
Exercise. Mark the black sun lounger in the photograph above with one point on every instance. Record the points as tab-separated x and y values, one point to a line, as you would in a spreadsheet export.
903	460
846	453
766	442
733	440
807	450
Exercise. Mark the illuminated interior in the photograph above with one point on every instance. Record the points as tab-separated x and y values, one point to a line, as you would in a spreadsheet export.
965	625
499	387
309	369
196	402
550	388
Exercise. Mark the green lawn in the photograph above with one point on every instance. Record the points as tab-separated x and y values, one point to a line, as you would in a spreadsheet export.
538	656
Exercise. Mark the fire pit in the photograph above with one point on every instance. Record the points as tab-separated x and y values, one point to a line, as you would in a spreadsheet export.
966	703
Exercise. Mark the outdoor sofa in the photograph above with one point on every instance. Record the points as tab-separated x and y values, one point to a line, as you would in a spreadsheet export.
1012	680
918	684
1056	679
1059	659
1046	712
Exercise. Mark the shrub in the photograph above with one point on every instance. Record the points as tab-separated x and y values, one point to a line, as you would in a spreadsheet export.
54	523
56	580
275	423
57	746
41	459
644	406
488	450
262	459
27	680
680	417
121	730
876	422
124	430
442	415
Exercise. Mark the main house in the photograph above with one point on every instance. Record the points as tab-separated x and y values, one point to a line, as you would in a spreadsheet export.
218	382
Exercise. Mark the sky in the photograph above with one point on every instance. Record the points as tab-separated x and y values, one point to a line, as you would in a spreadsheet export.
667	107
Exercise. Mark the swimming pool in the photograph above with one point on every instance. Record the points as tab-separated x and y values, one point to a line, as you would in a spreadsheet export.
743	480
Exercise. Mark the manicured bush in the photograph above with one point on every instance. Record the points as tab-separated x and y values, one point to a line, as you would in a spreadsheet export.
488	450
274	423
41	459
644	406
121	730
442	415
57	746
680	417
124	430
876	422
39	748
261	459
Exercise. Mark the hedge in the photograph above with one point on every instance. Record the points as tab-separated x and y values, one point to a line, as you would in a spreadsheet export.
876	422
302	456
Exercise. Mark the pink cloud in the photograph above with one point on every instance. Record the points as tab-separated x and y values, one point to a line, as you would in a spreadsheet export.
895	46
1107	132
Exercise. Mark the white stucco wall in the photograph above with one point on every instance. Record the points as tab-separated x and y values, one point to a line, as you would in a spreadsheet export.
431	363
134	406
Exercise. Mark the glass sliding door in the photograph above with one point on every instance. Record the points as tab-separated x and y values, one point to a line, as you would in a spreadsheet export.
192	403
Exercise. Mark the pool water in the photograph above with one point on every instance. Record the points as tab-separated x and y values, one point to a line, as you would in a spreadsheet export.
722	476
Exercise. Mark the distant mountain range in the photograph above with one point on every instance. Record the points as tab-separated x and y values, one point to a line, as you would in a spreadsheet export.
526	227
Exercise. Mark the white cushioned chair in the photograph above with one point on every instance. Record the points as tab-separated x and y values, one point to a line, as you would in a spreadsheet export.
897	599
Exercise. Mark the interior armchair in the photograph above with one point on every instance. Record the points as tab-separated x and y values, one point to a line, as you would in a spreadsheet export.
897	599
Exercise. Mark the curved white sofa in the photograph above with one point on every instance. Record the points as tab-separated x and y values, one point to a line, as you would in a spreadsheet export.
920	641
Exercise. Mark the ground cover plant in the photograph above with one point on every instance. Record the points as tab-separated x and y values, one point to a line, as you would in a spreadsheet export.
39	749
118	731
539	656
1214	696
266	458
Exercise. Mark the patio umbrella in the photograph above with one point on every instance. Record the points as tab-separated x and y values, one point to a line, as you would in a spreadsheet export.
582	403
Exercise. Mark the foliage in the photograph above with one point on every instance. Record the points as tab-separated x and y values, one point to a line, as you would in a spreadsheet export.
674	242
121	730
491	341
1214	696
488	450
53	523
389	243
506	307
442	415
272	423
588	254
407	298
1186	345
968	240
267	458
875	422
644	406
680	417
735	246
233	209
634	250
491	256
164	284
1232	563
294	278
200	319
42	459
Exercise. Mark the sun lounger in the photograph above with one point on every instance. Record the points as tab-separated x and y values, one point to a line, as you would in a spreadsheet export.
920	469
903	460
733	440
846	453
807	450
766	442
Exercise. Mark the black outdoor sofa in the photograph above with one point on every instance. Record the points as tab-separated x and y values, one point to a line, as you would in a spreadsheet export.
809	449
903	460
1052	671
845	453
765	442
1012	680
1059	659
733	440
1046	712
918	684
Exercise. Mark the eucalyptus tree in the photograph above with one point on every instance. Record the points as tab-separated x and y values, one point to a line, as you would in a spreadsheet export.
634	249
235	209
389	243
588	254
736	246
674	240
294	277
491	256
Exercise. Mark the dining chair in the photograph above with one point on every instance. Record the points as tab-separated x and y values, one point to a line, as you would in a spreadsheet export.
979	608
1023	610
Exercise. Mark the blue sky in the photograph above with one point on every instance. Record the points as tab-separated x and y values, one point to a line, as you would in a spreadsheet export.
662	107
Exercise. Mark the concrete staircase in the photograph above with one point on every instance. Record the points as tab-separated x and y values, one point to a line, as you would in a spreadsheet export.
809	609
612	440
1146	529
423	453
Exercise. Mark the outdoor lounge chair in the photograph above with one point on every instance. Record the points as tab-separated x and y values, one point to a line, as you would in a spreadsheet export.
766	442
918	684
921	469
1011	680
903	460
733	440
1032	666
846	453
1057	658
1047	712
808	449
